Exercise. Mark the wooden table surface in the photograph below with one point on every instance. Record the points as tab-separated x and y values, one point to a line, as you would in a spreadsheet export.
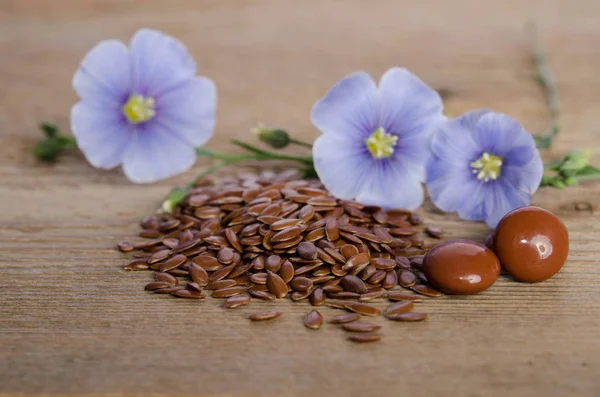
71	321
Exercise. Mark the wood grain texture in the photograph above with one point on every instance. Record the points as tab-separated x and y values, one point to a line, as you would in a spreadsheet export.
71	321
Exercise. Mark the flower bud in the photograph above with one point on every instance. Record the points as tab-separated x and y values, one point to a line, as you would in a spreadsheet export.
274	137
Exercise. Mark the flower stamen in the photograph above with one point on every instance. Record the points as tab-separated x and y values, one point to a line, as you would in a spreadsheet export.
139	109
381	144
487	167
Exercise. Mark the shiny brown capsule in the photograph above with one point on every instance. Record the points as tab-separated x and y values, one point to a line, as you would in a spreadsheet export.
531	243
461	267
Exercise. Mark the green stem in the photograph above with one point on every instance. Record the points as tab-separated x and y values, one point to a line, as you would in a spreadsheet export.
268	155
545	78
300	143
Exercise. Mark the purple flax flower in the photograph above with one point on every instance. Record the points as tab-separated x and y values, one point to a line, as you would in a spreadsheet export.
142	107
375	141
484	164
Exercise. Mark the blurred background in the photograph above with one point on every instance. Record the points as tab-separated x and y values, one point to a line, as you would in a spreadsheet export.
272	59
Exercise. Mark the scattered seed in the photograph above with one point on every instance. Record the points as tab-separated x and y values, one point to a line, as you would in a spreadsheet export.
276	285
364	338
360	327
266	315
313	320
237	301
344	318
412	316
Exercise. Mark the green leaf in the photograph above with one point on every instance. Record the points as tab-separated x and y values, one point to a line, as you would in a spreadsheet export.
588	172
50	129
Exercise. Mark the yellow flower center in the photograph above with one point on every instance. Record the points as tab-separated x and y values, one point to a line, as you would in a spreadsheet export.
381	144
487	167
139	109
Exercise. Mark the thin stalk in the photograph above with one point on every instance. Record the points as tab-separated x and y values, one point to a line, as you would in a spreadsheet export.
300	143
546	80
268	155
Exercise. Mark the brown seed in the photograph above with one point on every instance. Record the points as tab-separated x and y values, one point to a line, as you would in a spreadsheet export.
332	230
285	223
286	272
426	290
237	301
165	277
149	233
264	295
307	250
159	256
169	290
157	285
383	263
287	244
399	307
149	222
259	278
225	255
299	295
125	246
173	262
186	293
287	234
317	297
400	296
221	273
361	308
207	262
353	284
434	231
192	286
273	263
390	280
198	275
240	269
364	338
377	277
345	318
207	212
225	283
276	285
359	259
306	213
228	292
406	278
348	251
302	284
361	327
313	320
170	242
266	315
315	235
331	289
412	316
367	296
233	239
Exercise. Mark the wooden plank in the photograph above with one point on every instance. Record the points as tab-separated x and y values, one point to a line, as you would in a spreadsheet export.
71	321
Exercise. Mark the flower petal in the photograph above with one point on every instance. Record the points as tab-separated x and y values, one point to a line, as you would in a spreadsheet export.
497	134
391	185
525	178
452	143
501	199
159	62
448	184
342	165
349	108
103	78
188	111
407	105
102	135
154	154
